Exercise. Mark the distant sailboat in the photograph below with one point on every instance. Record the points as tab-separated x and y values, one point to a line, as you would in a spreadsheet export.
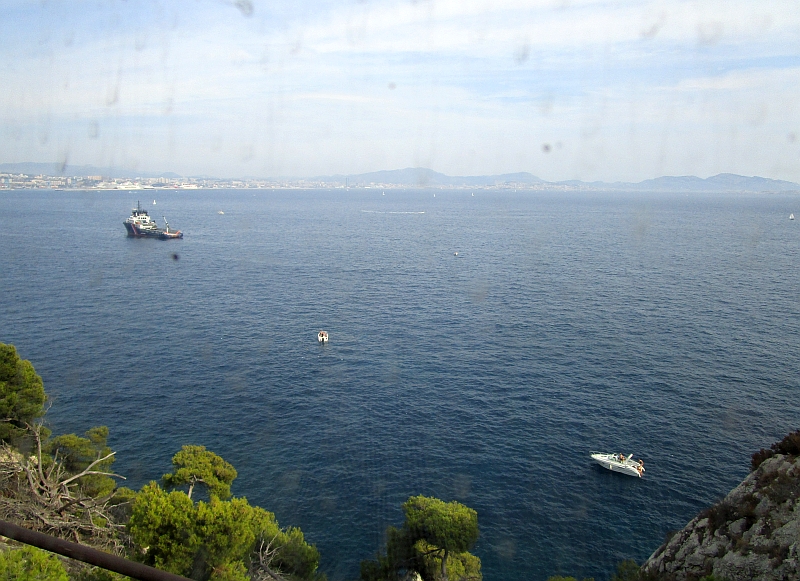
791	216
154	202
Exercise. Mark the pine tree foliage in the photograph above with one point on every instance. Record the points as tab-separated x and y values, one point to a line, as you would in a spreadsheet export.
76	454
30	564
218	539
195	465
434	542
63	486
22	394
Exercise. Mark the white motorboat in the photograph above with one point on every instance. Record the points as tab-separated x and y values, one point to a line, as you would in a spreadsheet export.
619	463
322	336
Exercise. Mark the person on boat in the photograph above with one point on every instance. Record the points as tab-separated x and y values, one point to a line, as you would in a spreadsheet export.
622	457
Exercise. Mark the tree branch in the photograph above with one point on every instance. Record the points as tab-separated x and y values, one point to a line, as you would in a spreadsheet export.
265	556
88	470
47	499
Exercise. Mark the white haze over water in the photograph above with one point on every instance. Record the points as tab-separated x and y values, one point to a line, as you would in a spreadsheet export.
583	89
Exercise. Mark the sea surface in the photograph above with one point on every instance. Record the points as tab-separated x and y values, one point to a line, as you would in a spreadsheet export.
481	346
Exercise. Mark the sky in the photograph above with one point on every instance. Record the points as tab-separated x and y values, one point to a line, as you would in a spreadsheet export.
563	89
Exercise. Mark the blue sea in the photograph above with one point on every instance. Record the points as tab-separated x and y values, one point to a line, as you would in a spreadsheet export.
481	346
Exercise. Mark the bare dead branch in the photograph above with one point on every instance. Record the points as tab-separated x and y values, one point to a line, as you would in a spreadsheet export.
88	470
262	570
48	499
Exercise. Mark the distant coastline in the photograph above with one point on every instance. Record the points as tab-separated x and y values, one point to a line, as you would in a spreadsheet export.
59	176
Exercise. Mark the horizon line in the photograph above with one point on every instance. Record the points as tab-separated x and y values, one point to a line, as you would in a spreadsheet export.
106	172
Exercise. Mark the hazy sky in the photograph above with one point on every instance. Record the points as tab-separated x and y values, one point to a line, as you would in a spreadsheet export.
564	89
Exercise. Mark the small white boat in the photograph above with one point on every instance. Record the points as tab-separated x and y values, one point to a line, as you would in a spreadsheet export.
619	463
791	216
322	336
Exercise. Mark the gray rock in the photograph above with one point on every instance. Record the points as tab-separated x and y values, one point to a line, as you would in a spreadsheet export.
737	528
769	550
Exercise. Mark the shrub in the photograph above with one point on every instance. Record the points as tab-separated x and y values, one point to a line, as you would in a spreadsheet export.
759	457
779	554
434	541
782	488
790	446
627	571
30	564
98	574
22	394
213	539
669	536
718	515
747	510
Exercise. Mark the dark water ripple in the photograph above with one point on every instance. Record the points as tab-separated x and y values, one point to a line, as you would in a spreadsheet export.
665	325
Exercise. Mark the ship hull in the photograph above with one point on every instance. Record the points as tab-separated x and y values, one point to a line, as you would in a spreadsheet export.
135	232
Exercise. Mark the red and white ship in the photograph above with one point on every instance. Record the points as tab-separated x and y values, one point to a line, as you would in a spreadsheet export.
140	225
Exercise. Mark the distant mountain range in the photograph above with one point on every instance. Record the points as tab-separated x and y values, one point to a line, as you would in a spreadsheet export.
724	182
423	177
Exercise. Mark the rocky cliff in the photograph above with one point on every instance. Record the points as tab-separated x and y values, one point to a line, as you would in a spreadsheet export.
753	533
